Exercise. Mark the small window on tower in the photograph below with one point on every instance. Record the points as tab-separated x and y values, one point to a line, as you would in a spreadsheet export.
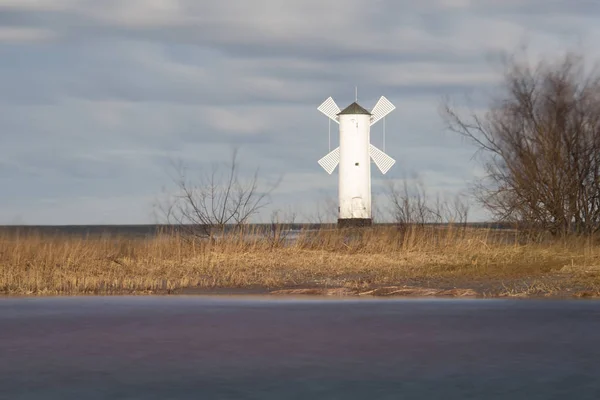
356	164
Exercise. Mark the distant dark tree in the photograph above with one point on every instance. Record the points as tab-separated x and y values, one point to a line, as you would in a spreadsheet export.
539	142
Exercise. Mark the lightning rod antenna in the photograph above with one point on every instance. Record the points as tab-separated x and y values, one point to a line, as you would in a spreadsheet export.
329	135
356	93
384	134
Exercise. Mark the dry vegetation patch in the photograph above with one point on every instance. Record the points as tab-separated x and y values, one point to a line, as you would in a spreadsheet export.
419	261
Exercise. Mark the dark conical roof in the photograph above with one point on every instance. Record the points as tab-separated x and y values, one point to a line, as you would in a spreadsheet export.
354	108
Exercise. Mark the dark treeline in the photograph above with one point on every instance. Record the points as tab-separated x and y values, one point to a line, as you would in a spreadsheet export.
153	230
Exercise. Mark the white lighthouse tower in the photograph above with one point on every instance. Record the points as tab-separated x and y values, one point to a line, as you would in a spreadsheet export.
354	157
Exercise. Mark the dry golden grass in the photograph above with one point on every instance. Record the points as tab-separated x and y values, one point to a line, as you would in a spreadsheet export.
492	262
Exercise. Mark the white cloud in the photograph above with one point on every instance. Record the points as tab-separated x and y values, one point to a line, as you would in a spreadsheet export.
25	35
232	120
39	5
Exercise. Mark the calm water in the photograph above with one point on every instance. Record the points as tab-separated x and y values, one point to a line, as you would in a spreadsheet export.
240	348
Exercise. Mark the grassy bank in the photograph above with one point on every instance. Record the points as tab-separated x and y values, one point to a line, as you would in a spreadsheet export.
373	261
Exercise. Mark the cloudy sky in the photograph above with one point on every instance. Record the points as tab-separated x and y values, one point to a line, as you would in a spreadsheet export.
99	97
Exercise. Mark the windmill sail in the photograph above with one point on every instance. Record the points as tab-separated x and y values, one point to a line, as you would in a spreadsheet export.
330	109
330	161
381	109
382	160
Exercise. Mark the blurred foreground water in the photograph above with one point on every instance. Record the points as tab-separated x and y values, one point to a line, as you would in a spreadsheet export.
273	348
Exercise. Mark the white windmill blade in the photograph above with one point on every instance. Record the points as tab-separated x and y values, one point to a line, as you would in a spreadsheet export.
382	160
381	109
330	161
330	109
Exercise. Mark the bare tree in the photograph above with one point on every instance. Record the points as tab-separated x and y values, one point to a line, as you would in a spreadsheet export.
411	205
282	223
325	211
217	198
408	203
377	210
540	145
453	210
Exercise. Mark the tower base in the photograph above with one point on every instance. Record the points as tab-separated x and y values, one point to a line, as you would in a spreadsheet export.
354	222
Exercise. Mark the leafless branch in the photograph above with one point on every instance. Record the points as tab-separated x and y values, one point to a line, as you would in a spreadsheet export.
214	200
540	138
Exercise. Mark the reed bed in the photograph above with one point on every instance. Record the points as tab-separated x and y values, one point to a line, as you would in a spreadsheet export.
495	262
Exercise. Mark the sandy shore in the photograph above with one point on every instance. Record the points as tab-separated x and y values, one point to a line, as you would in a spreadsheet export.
523	289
